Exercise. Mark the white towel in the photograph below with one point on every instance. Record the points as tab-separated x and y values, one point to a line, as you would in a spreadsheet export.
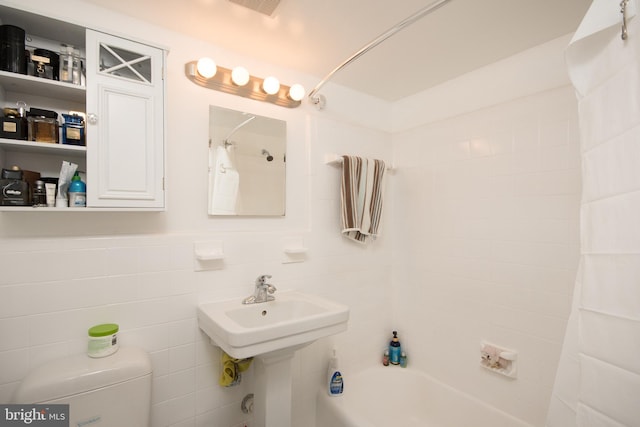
361	196
225	187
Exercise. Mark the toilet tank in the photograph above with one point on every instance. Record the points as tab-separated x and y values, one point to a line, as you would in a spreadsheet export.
113	391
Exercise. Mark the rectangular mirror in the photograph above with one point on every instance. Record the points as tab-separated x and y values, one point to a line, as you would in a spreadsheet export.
247	158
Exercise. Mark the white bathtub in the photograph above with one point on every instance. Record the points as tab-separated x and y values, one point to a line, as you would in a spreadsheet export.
393	396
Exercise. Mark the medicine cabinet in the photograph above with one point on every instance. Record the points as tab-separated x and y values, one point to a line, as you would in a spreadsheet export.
123	97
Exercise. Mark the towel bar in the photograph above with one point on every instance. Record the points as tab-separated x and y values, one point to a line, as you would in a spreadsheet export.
334	159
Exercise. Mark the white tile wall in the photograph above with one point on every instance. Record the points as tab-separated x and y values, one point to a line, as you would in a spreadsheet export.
489	248
147	284
153	299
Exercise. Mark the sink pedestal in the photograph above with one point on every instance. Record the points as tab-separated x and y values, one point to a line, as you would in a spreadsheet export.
272	398
271	332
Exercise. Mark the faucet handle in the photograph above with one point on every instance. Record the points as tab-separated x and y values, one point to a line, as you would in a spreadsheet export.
262	280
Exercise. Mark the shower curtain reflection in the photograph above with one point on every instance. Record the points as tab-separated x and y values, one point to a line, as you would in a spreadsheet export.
247	163
226	181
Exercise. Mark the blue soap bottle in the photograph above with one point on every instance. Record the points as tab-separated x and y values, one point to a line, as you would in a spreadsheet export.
77	192
395	349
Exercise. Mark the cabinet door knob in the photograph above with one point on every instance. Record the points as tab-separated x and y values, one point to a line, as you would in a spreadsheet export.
92	118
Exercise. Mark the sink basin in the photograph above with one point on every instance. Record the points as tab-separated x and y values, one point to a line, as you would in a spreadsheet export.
291	321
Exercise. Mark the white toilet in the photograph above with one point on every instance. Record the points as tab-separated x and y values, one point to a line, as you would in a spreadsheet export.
113	391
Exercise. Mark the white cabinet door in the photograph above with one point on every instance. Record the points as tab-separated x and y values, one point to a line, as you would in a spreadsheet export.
125	123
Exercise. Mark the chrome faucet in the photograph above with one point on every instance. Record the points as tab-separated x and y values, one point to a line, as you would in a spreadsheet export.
262	291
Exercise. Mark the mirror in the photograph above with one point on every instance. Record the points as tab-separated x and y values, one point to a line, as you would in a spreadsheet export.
247	157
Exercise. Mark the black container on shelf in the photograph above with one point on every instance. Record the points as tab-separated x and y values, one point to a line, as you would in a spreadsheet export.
13	125
14	128
46	64
39	194
12	49
14	190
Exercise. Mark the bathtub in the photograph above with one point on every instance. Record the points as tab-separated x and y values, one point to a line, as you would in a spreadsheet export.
393	396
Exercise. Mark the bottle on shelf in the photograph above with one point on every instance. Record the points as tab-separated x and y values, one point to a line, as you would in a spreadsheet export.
39	196
69	65
77	192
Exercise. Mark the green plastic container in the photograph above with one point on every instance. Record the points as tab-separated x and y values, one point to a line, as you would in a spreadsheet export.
103	340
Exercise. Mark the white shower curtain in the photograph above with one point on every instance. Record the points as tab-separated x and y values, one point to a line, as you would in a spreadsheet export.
598	380
226	181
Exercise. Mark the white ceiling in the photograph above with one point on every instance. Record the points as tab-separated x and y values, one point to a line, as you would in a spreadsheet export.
315	36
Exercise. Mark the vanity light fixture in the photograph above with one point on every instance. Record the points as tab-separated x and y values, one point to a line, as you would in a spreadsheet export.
240	76
207	68
238	81
296	92
271	85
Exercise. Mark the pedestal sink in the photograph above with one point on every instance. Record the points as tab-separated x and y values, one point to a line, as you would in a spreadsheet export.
271	332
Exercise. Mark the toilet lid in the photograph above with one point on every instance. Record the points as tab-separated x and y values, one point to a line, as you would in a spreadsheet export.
80	373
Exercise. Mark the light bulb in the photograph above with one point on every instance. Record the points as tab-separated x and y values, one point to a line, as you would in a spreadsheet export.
206	67
240	76
271	85
296	92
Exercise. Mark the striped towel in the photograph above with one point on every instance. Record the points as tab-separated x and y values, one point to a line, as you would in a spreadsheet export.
361	196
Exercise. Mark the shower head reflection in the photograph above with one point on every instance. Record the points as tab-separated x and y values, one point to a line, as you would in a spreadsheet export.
267	154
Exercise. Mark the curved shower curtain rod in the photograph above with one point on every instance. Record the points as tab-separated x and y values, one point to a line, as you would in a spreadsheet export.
236	129
319	100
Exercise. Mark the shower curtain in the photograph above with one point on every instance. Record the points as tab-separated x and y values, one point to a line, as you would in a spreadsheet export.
598	379
226	181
